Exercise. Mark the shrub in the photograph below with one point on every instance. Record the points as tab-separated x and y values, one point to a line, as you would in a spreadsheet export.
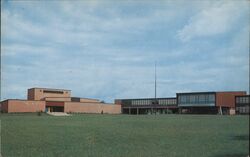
39	113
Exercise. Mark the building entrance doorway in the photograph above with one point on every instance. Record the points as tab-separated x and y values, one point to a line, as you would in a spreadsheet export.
54	106
54	109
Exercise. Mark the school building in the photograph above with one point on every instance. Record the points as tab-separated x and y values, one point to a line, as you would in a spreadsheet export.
189	103
242	104
57	100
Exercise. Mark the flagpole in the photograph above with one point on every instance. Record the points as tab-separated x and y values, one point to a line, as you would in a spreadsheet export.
155	89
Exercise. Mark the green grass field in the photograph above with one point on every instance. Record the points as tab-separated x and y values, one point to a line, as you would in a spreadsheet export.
90	135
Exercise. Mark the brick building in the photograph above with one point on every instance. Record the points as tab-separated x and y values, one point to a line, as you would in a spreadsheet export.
193	103
57	100
208	102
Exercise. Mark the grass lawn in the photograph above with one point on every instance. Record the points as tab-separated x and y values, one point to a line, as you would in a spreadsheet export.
90	135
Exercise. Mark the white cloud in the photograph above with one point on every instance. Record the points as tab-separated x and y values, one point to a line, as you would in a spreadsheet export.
74	46
26	49
216	19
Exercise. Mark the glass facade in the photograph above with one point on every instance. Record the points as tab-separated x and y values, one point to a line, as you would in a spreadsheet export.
167	102
243	104
243	100
148	102
201	99
242	109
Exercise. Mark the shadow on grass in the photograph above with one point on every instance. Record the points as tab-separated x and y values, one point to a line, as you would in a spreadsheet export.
231	155
237	138
241	137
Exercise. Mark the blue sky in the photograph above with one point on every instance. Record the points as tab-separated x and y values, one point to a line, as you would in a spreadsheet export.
107	49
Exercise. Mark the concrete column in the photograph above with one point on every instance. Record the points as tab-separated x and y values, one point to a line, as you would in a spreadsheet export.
137	110
129	110
220	110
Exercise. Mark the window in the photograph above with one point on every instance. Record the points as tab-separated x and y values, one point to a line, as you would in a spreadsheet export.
165	102
240	99
211	98
183	99
245	100
161	102
196	98
237	100
171	101
53	91
206	98
188	99
192	99
199	99
133	102
174	102
202	98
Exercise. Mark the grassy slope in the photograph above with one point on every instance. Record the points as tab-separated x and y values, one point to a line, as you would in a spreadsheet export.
30	135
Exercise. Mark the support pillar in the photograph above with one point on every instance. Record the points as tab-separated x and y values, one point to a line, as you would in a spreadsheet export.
220	110
137	111
129	110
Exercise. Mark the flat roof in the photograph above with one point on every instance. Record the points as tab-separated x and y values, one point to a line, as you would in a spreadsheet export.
73	97
210	92
242	96
49	88
196	93
85	98
56	101
21	100
230	91
147	98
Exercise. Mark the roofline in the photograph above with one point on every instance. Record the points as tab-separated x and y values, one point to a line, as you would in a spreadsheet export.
86	98
57	97
209	92
21	100
93	103
74	97
212	92
59	101
231	91
147	98
242	95
49	88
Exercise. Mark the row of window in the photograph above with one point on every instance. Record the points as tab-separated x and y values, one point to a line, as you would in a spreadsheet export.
197	98
150	102
141	102
53	91
243	100
242	109
167	102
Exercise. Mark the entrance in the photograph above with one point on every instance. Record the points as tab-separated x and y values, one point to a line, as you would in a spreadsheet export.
54	106
54	109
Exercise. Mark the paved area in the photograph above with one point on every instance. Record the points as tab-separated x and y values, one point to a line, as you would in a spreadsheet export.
58	114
